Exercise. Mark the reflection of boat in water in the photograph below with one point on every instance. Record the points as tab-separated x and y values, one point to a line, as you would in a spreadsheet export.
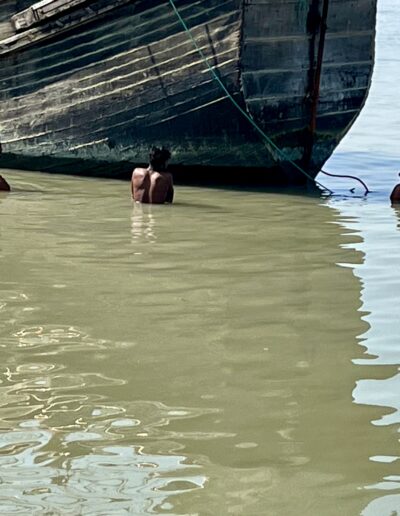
225	327
87	86
270	342
378	384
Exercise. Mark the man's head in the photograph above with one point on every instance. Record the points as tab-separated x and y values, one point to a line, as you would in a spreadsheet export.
158	158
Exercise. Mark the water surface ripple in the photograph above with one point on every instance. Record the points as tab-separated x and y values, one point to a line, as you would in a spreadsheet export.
236	353
200	358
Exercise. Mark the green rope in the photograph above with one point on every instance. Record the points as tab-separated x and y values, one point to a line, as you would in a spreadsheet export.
235	103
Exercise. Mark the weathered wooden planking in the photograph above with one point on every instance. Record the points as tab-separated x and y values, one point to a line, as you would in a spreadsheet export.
42	11
107	87
279	54
7	9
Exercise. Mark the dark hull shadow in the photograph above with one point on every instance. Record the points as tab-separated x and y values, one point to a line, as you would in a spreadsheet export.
284	177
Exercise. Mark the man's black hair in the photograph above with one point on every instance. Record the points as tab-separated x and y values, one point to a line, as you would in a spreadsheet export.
158	157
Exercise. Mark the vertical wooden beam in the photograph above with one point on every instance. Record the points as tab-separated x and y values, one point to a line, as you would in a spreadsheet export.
318	71
316	85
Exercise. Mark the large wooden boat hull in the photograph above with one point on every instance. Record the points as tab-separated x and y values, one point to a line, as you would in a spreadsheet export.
90	88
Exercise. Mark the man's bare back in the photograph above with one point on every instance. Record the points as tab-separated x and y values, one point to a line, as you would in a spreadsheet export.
150	186
153	185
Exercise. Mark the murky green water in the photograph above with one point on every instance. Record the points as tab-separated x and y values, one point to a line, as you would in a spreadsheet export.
234	354
203	358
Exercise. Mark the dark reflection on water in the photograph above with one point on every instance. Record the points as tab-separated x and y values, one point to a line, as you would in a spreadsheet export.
372	151
236	353
379	383
190	359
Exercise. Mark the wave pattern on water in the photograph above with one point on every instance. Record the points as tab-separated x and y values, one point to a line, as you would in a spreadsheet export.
208	357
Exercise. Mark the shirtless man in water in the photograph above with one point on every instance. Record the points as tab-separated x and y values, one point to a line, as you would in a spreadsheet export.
153	185
4	186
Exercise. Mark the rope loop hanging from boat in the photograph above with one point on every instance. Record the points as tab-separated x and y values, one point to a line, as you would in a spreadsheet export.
346	176
264	136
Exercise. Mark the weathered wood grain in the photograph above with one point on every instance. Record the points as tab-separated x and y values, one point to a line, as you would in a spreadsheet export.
107	86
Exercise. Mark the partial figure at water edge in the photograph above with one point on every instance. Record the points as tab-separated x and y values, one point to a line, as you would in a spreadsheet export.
4	186
395	195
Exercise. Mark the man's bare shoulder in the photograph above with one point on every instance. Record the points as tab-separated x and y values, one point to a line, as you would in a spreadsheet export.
140	171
